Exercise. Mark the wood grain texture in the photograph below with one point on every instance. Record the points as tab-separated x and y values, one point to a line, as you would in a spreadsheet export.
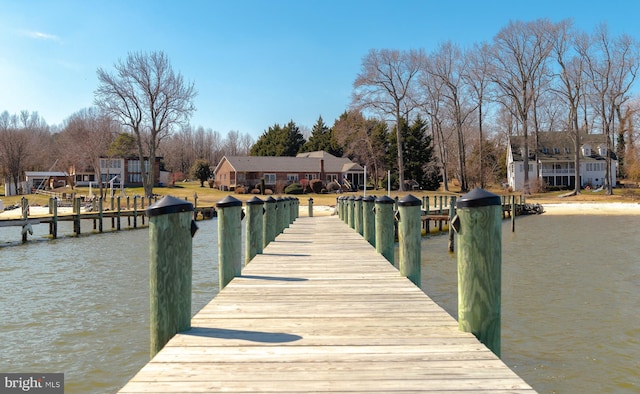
321	311
480	273
170	269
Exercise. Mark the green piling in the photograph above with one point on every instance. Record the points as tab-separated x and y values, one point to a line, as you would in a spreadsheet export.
385	229
229	239
409	237
279	215
351	221
369	219
479	226
310	207
253	229
357	215
269	222
170	265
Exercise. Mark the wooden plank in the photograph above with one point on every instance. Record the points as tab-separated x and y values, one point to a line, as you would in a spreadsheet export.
321	311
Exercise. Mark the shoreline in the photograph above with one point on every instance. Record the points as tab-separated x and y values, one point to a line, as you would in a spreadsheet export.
550	208
591	208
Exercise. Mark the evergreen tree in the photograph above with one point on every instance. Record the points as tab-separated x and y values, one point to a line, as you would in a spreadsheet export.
418	154
279	141
322	138
202	171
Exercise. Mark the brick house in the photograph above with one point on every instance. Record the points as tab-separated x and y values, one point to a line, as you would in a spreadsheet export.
278	171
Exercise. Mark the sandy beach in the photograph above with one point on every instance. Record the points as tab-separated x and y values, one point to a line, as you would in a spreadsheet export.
591	208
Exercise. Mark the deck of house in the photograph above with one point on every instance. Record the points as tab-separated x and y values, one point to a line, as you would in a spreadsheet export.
321	311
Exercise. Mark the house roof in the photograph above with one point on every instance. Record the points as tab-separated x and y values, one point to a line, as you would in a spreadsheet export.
305	162
40	174
559	146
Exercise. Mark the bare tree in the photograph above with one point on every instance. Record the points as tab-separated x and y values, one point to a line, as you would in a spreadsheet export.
570	85
477	76
520	52
149	98
22	140
611	69
430	102
448	65
384	86
89	134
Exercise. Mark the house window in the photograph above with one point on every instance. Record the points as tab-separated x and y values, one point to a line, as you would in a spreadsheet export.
556	150
292	177
270	179
311	176
545	150
567	150
332	178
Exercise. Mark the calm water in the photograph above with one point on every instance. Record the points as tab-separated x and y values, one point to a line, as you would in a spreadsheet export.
570	305
570	300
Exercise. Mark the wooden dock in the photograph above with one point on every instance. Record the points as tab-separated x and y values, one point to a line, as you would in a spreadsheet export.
321	311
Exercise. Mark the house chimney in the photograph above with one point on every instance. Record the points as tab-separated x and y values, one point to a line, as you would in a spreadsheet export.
321	169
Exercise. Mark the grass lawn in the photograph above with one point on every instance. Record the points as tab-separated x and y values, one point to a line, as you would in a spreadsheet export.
208	196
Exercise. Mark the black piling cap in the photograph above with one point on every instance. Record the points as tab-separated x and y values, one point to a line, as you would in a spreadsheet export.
351	198
271	200
385	200
229	201
255	201
409	201
369	198
478	198
359	198
169	204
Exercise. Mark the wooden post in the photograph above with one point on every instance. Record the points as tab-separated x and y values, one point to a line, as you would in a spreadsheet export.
253	229
128	216
357	215
113	219
310	207
293	209
100	214
76	212
340	203
351	221
269	229
452	212
513	214
170	267
135	211
142	207
279	215
385	229
54	219
479	227
118	213
369	220
229	239
409	238
286	212
195	205
24	205
427	211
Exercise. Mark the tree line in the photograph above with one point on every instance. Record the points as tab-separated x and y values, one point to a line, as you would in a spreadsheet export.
444	114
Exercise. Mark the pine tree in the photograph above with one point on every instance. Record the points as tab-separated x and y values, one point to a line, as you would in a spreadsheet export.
322	138
279	141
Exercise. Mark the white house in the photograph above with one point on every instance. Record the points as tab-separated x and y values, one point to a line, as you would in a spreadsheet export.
555	158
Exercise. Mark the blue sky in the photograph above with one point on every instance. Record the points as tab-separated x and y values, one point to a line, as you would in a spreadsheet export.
254	63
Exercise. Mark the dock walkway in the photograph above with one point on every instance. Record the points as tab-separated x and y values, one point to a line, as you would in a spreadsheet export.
321	311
